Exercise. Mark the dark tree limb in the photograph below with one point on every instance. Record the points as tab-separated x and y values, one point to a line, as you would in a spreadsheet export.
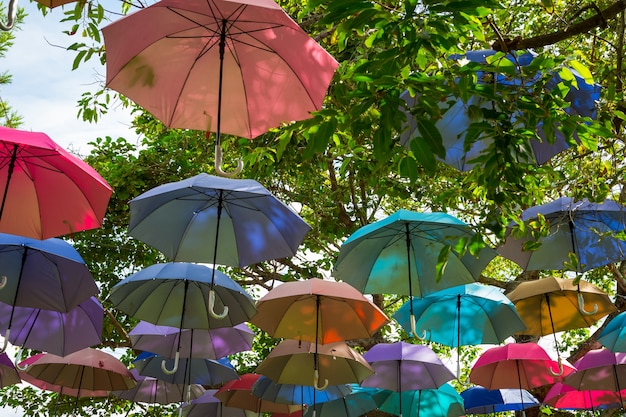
600	19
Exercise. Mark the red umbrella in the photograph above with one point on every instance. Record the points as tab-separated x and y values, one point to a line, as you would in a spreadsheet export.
44	190
189	61
517	365
238	394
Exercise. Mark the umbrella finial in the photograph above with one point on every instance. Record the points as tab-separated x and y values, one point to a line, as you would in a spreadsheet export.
212	307
581	306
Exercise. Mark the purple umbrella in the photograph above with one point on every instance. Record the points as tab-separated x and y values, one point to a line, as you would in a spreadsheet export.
198	343
54	331
209	405
599	369
404	366
8	373
154	391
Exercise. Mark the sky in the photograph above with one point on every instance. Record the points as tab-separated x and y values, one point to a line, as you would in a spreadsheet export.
45	90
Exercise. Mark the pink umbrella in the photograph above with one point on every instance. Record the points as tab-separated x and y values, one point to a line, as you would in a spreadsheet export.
568	398
517	365
44	190
189	61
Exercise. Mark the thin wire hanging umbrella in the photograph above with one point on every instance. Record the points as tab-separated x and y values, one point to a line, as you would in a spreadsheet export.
245	60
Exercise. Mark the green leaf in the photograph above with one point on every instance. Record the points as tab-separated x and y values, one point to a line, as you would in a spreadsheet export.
442	261
424	154
431	135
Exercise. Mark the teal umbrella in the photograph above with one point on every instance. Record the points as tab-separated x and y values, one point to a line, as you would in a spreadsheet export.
354	404
412	253
613	336
441	402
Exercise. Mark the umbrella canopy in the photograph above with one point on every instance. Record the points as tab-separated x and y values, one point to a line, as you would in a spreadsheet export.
479	400
293	362
209	405
197	343
223	221
8	373
53	331
402	366
267	389
549	305
34	173
316	310
581	228
517	365
88	369
238	393
209	372
176	293
568	398
456	120
154	391
599	369
470	314
613	336
357	403
443	401
400	255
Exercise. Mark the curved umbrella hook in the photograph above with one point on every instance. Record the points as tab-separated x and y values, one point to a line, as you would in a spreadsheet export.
3	282
316	380
6	341
219	160
581	306
414	330
560	372
212	307
174	368
18	355
11	15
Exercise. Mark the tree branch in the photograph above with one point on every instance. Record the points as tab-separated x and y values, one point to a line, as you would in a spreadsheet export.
598	20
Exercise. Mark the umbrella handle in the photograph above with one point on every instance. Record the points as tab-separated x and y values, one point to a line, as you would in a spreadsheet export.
11	15
316	380
3	281
6	341
218	164
212	307
18	355
174	368
560	369
414	330
581	306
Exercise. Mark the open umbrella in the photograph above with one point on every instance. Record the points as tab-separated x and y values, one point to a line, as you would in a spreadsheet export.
456	119
197	343
45	274
34	173
441	402
247	60
357	403
599	369
155	391
209	405
581	236
8	372
613	335
54	331
298	394
411	253
238	393
517	365
479	400
568	398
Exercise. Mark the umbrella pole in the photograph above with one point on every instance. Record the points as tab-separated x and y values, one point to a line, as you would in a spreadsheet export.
556	345
519	383
400	387
408	260
220	203
19	278
9	174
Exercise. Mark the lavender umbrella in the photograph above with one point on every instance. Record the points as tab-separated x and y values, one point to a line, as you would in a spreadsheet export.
8	373
198	343
54	331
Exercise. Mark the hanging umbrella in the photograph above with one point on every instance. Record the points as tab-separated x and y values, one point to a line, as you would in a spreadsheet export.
155	391
613	336
88	369
479	400
581	236
209	405
456	120
34	173
47	274
197	343
246	60
209	372
216	220
8	373
402	366
567	398
238	393
317	310
443	401
357	403
517	365
53	331
411	253
297	394
292	362
599	369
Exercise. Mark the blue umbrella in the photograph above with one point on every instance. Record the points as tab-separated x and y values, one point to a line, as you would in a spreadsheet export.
456	120
581	236
613	336
441	402
190	371
296	394
479	400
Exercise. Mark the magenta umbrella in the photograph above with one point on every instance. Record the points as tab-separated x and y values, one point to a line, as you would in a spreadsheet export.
198	343
44	190
247	60
568	398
